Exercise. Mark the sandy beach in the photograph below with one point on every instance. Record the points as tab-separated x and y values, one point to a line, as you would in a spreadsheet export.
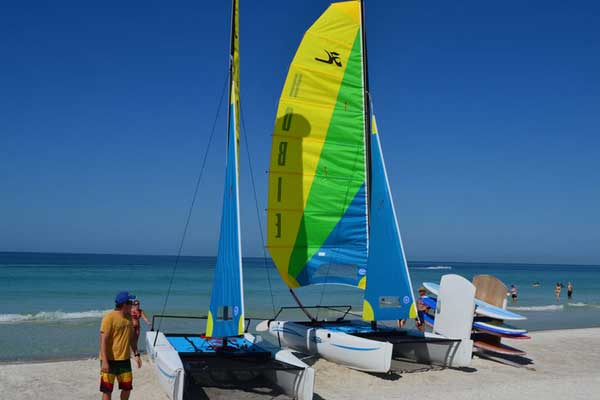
565	367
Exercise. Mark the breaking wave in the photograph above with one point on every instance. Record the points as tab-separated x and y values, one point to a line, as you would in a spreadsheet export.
51	316
581	304
552	307
435	267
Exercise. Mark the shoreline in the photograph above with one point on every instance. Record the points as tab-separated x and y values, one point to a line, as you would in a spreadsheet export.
93	357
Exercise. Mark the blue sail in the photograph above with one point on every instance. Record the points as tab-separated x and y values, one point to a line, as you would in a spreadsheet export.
388	291
226	312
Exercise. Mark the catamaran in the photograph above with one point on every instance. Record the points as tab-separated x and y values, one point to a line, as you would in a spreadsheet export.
226	354
331	218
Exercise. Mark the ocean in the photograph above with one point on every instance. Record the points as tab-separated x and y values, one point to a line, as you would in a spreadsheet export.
51	304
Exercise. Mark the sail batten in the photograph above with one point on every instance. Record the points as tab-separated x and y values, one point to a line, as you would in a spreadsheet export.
317	222
226	310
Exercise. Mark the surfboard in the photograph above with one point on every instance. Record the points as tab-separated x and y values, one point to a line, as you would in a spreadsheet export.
498	348
429	320
482	325
481	307
497	327
429	302
500	335
491	290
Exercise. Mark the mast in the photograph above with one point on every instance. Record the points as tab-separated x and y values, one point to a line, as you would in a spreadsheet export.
232	34
226	310
367	109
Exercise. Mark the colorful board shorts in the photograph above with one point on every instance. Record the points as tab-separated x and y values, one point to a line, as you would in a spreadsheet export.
120	369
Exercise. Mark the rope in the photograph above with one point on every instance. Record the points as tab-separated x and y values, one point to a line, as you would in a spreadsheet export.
191	208
262	238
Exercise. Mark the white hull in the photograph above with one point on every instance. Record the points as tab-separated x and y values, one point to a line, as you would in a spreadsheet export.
453	355
167	364
371	355
297	384
341	348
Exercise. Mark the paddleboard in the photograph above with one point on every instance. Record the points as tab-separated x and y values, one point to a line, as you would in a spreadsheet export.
483	325
516	337
491	290
498	348
429	320
481	307
497	327
429	302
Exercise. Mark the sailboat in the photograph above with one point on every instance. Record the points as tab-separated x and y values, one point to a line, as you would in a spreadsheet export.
331	218
226	354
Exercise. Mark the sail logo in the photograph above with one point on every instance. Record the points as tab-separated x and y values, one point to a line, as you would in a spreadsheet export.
334	57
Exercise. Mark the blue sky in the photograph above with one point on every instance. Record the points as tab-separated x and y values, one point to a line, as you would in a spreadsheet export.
488	112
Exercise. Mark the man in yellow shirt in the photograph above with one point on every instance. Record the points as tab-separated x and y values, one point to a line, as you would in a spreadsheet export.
116	346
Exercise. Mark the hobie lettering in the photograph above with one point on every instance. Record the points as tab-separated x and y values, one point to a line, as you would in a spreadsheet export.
287	119
278	225
279	182
282	153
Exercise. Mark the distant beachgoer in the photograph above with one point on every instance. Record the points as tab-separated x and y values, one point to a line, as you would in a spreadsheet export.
136	314
421	309
557	291
401	323
513	293
116	346
569	290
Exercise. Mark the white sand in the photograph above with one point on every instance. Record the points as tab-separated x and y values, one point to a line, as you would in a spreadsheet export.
567	367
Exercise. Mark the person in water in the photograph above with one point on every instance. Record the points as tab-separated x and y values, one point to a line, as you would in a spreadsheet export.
136	314
557	289
116	347
569	290
513	293
421	309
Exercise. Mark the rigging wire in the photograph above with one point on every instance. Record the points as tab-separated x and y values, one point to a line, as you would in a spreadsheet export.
193	202
260	226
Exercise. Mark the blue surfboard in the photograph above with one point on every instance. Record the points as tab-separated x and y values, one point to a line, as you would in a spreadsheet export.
429	302
494	327
481	307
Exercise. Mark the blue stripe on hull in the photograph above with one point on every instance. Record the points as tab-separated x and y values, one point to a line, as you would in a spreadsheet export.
355	348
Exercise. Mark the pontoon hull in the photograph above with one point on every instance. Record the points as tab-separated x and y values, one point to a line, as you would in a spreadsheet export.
297	382
371	351
341	348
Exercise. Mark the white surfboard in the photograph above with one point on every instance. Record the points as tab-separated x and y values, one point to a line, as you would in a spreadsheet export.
481	307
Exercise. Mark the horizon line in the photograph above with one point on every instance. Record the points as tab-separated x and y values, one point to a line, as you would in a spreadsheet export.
214	256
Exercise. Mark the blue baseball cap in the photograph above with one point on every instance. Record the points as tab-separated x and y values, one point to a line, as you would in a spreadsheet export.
123	297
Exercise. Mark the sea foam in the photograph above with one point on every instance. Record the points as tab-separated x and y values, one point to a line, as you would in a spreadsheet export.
551	307
51	316
434	267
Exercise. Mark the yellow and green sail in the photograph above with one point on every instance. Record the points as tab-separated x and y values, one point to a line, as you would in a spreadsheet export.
317	212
